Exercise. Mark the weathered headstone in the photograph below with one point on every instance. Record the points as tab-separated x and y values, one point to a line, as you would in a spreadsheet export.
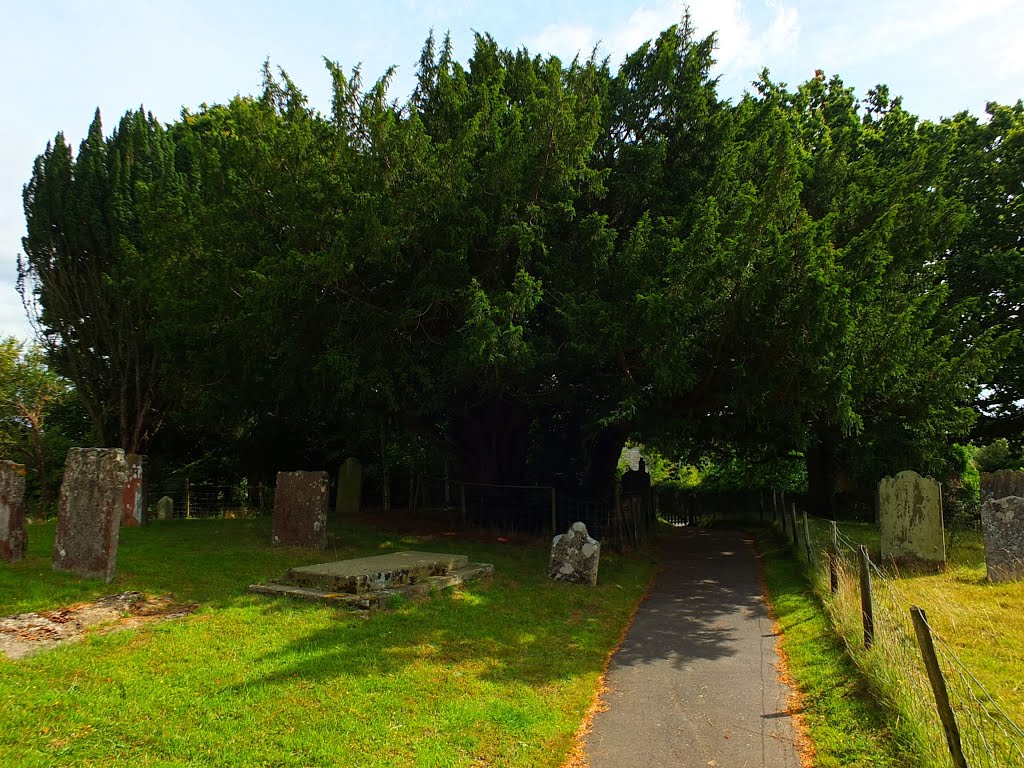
300	509
165	508
89	512
12	511
350	487
910	518
134	497
999	485
1002	523
575	556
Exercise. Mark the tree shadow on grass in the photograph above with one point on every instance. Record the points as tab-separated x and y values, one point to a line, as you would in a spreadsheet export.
538	632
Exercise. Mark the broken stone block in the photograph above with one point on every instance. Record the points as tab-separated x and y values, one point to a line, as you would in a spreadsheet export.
1002	523
575	556
13	541
300	510
89	512
134	497
1003	483
350	487
910	518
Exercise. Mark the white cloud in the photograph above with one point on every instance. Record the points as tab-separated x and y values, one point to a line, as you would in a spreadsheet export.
563	40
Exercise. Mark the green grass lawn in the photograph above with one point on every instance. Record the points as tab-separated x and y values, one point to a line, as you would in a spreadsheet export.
497	673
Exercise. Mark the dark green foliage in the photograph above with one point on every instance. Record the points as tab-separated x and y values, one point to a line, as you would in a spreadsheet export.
522	266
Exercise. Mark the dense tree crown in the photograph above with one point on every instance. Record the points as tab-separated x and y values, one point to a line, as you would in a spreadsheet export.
530	261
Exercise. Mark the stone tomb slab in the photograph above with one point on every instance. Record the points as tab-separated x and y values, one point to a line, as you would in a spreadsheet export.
372	574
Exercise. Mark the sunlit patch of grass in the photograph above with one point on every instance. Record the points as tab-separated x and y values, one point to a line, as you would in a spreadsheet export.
494	673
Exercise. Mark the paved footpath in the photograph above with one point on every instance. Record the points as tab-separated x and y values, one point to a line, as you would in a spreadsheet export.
695	683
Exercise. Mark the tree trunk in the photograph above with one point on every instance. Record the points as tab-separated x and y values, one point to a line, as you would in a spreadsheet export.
821	474
602	459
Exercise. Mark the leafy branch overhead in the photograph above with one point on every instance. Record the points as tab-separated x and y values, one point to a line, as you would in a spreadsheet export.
530	260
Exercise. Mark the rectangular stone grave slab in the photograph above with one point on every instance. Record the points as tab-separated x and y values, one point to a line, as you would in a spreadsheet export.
89	512
369	574
1002	523
12	511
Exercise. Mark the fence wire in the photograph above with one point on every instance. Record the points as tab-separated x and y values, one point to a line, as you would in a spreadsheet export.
988	735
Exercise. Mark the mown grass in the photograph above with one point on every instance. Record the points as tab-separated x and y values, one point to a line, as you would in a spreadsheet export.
841	718
497	673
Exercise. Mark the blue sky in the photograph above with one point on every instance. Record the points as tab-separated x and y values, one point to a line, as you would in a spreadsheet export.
63	59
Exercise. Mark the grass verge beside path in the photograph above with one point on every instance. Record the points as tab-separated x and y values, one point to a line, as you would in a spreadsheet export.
842	721
498	673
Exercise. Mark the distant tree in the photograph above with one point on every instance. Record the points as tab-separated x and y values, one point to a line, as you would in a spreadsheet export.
34	406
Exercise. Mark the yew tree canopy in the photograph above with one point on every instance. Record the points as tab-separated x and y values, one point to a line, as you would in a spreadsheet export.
529	260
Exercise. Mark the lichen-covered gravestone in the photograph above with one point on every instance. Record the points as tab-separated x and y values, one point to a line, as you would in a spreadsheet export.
134	497
165	508
350	487
300	509
1002	522
910	517
575	556
89	512
12	511
999	485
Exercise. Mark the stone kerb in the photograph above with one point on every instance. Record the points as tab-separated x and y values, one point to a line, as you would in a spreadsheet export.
12	511
575	556
1003	483
300	510
1002	523
350	487
89	512
910	518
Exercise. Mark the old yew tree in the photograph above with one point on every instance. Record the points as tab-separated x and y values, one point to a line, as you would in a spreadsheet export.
529	261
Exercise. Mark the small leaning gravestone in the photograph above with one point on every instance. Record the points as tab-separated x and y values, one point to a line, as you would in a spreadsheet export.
300	510
910	519
575	556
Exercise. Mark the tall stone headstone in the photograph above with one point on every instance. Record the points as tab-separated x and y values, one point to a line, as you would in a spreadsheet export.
1003	483
12	511
300	510
910	518
350	487
134	498
575	556
89	512
1002	523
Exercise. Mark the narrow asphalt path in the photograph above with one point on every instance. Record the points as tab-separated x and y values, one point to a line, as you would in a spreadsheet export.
695	683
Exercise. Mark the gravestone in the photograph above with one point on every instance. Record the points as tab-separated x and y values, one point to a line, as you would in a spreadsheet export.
999	485
910	518
350	487
165	508
300	510
575	556
12	511
1002	523
89	512
134	498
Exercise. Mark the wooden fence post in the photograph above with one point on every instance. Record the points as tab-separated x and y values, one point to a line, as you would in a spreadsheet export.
792	524
938	682
554	514
807	540
866	605
188	501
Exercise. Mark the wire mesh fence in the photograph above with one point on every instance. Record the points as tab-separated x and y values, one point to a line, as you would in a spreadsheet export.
187	499
893	658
